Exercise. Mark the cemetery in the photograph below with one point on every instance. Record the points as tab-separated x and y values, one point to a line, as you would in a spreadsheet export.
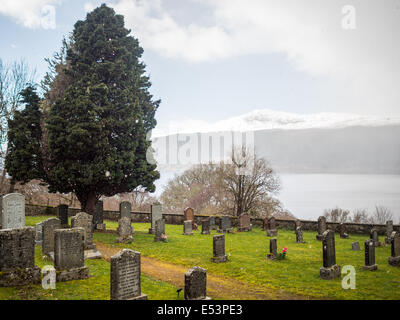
133	263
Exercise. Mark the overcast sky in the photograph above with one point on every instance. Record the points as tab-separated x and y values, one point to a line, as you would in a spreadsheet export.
214	59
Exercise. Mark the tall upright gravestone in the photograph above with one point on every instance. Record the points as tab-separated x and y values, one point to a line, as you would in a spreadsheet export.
343	234
156	213
48	228
271	230
321	227
125	276
84	220
205	226
244	222
213	225
374	237
225	225
39	233
98	216
299	235
219	249
17	257
125	209
273	249
62	214
187	228
330	269
13	211
369	248
394	259
69	256
159	230
125	231
389	230
188	214
196	284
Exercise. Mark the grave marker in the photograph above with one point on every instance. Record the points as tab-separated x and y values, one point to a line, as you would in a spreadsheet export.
196	284
374	237
219	249
188	214
39	233
125	276
389	230
271	230
225	225
205	226
244	222
159	230
84	220
394	259
13	211
330	269
321	227
369	248
156	213
125	231
48	228
299	235
273	246
125	209
62	215
98	216
187	228
355	246
343	234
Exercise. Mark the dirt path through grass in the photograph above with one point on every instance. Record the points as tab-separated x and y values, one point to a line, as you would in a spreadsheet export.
218	287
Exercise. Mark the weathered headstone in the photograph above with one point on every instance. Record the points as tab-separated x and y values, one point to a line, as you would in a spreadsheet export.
13	211
196	284
343	234
156	213
273	246
297	223
17	257
225	225
389	230
355	246
69	254
125	231
84	220
219	249
62	215
374	237
330	269
205	226
213	225
187	228
125	209
98	216
48	228
188	214
244	222
321	227
265	224
271	230
39	233
299	235
394	259
125	276
159	231
369	248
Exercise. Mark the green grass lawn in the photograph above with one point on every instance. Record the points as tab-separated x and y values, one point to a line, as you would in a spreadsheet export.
298	273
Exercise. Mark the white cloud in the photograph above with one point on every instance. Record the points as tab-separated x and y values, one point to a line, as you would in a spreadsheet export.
361	65
30	13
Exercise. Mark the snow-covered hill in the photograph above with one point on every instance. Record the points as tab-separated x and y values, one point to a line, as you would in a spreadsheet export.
264	119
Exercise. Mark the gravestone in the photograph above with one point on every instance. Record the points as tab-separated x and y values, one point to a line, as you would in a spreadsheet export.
125	231
156	213
125	209
187	228
343	234
271	230
196	284
273	247
39	233
13	211
205	226
213	225
48	228
321	227
244	222
394	259
297	223
188	214
299	235
98	216
84	220
355	246
62	215
1	210
225	225
17	257
374	237
369	248
219	249
389	230
330	269
125	283
69	254
159	231
265	224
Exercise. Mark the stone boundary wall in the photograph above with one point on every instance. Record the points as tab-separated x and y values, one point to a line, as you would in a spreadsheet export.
177	218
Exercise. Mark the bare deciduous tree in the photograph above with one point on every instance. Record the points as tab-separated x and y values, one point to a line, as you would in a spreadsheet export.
381	215
336	215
